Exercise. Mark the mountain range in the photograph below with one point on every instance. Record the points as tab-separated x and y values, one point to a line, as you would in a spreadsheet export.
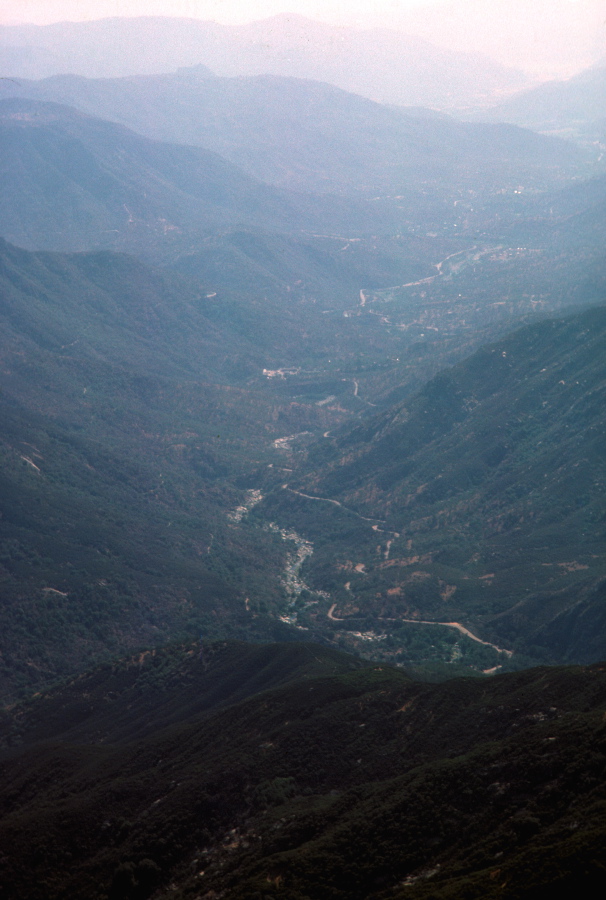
396	68
280	317
308	136
573	108
287	372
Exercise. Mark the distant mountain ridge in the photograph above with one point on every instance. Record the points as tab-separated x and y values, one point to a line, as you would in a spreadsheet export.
573	108
309	136
386	66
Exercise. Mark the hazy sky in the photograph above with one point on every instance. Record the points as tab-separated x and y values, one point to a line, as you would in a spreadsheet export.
43	12
549	37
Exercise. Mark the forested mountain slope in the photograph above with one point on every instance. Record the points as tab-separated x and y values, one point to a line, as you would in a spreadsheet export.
479	500
73	182
125	427
290	771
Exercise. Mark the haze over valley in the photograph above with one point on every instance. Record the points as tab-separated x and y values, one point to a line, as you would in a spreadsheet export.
303	394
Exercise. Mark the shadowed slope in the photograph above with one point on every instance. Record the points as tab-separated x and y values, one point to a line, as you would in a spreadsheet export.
350	784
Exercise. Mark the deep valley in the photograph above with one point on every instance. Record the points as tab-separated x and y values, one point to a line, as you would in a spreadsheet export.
303	467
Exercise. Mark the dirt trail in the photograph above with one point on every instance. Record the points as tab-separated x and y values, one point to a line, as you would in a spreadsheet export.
356	394
30	463
334	502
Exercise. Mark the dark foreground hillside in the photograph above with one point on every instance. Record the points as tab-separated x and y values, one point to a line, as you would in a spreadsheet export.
292	771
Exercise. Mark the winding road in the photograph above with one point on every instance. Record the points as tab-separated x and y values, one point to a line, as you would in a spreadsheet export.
460	628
